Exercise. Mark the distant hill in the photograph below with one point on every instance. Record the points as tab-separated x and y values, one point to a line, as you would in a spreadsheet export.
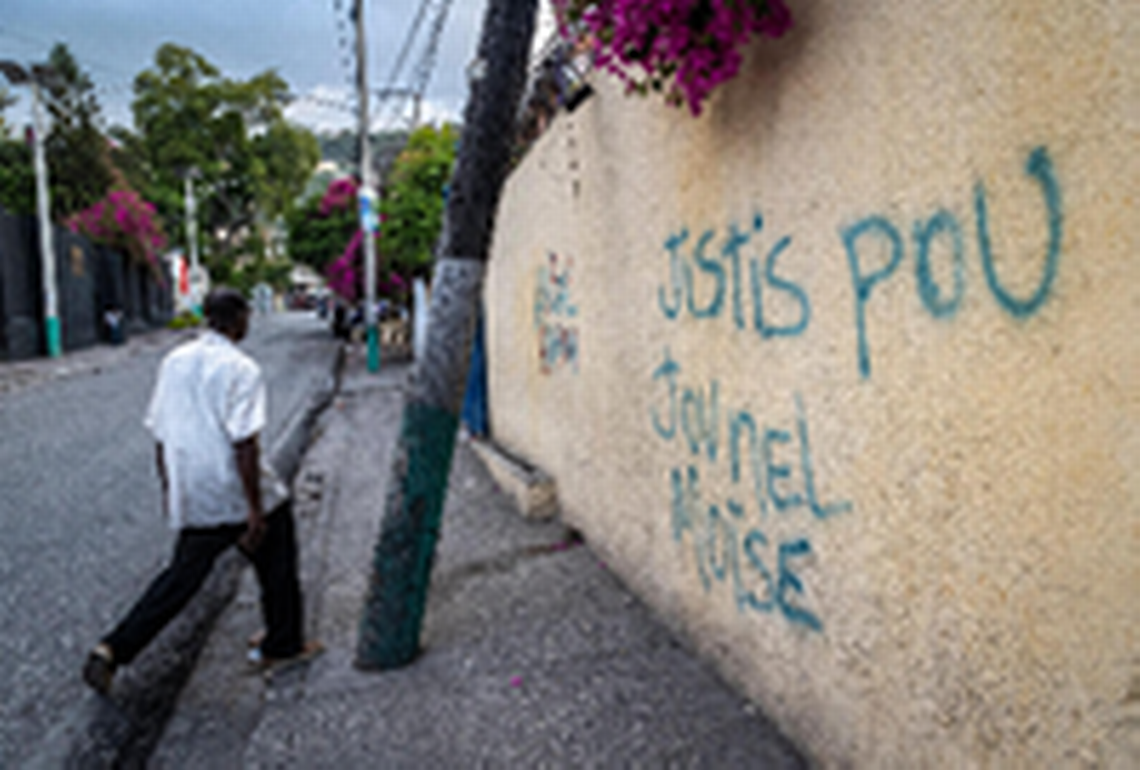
341	148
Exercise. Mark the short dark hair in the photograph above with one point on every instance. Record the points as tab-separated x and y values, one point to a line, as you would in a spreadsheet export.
224	308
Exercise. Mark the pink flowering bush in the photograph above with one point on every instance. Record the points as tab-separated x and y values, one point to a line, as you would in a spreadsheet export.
683	48
123	220
341	194
346	273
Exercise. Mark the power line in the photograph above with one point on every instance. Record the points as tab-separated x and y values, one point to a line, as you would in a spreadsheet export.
437	11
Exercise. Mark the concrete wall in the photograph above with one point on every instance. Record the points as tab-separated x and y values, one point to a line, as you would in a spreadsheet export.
20	313
89	280
76	274
842	377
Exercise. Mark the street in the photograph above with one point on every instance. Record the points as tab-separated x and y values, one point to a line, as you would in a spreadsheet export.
80	507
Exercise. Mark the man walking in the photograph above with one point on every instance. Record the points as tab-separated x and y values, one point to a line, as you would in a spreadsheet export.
206	414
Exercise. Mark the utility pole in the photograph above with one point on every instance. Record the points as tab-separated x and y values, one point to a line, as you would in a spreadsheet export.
192	243
389	635
47	243
365	195
17	75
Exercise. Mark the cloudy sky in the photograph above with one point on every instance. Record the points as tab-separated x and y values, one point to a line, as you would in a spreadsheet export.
115	39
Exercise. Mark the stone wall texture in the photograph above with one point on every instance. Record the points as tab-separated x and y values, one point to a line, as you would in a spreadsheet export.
843	376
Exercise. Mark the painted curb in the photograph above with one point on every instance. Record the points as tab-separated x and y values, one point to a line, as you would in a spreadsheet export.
532	489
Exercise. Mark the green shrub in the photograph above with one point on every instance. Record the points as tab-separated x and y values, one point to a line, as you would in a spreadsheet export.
185	320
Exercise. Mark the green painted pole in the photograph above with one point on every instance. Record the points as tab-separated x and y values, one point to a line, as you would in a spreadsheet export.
390	624
373	348
47	243
365	196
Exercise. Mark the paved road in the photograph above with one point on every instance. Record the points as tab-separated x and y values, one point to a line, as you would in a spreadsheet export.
79	502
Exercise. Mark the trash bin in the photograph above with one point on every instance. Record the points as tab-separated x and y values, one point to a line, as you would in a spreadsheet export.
113	319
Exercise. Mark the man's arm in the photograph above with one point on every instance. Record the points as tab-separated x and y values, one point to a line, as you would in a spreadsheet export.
247	453
160	464
160	468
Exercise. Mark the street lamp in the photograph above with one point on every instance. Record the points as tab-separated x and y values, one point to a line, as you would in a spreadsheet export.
38	76
365	197
196	278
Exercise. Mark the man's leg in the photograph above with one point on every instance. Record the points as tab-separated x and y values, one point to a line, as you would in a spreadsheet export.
194	555
275	562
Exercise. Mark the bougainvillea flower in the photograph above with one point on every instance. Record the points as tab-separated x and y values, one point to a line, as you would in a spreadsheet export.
684	48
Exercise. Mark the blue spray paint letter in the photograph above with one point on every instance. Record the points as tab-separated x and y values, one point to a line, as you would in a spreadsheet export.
672	243
719	526
775	472
753	542
788	581
700	419
820	510
1038	165
776	282
864	283
686	502
710	267
737	423
928	289
731	251
668	369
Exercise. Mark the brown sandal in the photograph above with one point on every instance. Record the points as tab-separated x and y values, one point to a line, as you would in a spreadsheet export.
268	666
99	669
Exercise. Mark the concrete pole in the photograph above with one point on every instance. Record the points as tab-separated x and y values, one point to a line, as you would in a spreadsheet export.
47	244
192	245
365	196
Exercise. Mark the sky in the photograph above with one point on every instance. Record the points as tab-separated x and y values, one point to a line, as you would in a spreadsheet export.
114	40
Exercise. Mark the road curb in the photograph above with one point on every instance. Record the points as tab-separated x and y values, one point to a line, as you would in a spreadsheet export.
121	731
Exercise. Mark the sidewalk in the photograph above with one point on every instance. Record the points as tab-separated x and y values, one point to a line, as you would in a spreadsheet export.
18	375
534	654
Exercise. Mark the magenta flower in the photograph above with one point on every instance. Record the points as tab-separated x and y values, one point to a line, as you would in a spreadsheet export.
340	194
684	48
122	220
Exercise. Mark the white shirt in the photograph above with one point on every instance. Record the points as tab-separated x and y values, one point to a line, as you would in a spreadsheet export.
209	396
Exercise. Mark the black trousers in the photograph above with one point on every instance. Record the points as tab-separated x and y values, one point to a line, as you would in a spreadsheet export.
275	562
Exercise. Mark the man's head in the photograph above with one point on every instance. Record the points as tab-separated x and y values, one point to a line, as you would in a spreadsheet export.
227	312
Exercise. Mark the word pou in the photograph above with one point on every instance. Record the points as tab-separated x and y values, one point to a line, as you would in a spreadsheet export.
940	301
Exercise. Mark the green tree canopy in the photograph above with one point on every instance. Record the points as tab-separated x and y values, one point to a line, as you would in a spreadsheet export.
17	181
316	238
413	201
7	99
250	163
79	165
17	177
288	154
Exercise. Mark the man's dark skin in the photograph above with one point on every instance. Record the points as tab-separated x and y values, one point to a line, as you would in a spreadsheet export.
247	454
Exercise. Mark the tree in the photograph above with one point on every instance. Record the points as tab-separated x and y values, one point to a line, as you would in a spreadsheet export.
17	175
17	178
7	99
316	237
79	166
413	201
250	163
417	486
174	109
288	155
